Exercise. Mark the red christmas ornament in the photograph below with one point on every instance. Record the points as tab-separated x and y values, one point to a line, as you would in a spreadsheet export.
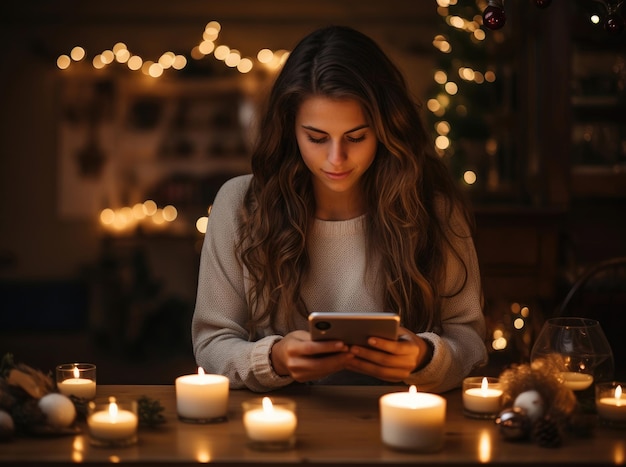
614	24
493	15
543	3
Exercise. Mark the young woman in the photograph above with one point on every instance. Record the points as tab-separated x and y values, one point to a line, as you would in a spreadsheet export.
347	208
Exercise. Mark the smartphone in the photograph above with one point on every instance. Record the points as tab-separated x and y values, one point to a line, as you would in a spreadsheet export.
353	327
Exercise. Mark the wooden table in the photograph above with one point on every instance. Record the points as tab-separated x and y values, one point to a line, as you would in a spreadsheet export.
337	425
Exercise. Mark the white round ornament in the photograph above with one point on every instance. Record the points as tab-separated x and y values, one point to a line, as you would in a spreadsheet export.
58	409
532	403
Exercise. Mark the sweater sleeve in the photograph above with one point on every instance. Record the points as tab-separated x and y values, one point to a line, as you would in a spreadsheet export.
220	340
460	346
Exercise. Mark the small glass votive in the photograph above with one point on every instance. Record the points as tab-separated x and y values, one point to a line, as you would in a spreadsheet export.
482	397
77	379
611	403
112	423
270	423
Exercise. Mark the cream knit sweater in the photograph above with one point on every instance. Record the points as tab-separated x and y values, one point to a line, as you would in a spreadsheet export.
339	281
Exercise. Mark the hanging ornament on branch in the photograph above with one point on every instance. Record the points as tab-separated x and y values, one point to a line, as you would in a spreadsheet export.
493	15
614	22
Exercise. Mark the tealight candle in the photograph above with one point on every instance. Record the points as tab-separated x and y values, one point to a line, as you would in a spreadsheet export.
575	381
412	420
77	379
270	423
114	423
202	398
482	397
611	403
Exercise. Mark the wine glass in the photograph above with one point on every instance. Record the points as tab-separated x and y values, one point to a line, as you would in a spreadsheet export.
582	352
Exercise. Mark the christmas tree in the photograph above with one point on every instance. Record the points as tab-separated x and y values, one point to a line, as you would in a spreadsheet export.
471	99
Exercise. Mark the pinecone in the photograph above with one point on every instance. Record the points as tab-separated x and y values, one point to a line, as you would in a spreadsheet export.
546	432
28	416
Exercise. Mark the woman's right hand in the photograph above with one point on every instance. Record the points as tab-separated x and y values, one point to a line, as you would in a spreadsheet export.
296	355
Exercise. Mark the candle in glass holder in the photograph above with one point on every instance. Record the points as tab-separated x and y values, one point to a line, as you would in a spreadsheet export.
482	397
113	423
412	421
270	423
611	403
77	379
202	398
575	381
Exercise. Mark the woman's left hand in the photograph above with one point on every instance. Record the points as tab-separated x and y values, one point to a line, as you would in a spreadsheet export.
389	360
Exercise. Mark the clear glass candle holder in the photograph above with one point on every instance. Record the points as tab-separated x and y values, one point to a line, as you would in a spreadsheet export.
581	354
482	397
611	403
270	423
112	423
77	379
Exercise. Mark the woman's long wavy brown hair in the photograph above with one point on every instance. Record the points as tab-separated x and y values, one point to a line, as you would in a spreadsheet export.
404	229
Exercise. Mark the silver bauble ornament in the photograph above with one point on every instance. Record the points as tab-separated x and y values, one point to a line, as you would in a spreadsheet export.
514	423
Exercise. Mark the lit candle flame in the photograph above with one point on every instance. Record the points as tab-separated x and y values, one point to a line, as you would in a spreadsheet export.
76	372
414	403
112	408
200	370
484	385
267	404
618	392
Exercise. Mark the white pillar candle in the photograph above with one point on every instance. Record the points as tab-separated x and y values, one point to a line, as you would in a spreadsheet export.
482	396
575	381
611	404
77	379
202	398
113	423
413	420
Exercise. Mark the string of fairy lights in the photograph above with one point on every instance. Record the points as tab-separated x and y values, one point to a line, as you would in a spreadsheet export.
207	46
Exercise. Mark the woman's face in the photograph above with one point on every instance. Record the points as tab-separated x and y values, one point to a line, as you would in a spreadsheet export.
337	145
